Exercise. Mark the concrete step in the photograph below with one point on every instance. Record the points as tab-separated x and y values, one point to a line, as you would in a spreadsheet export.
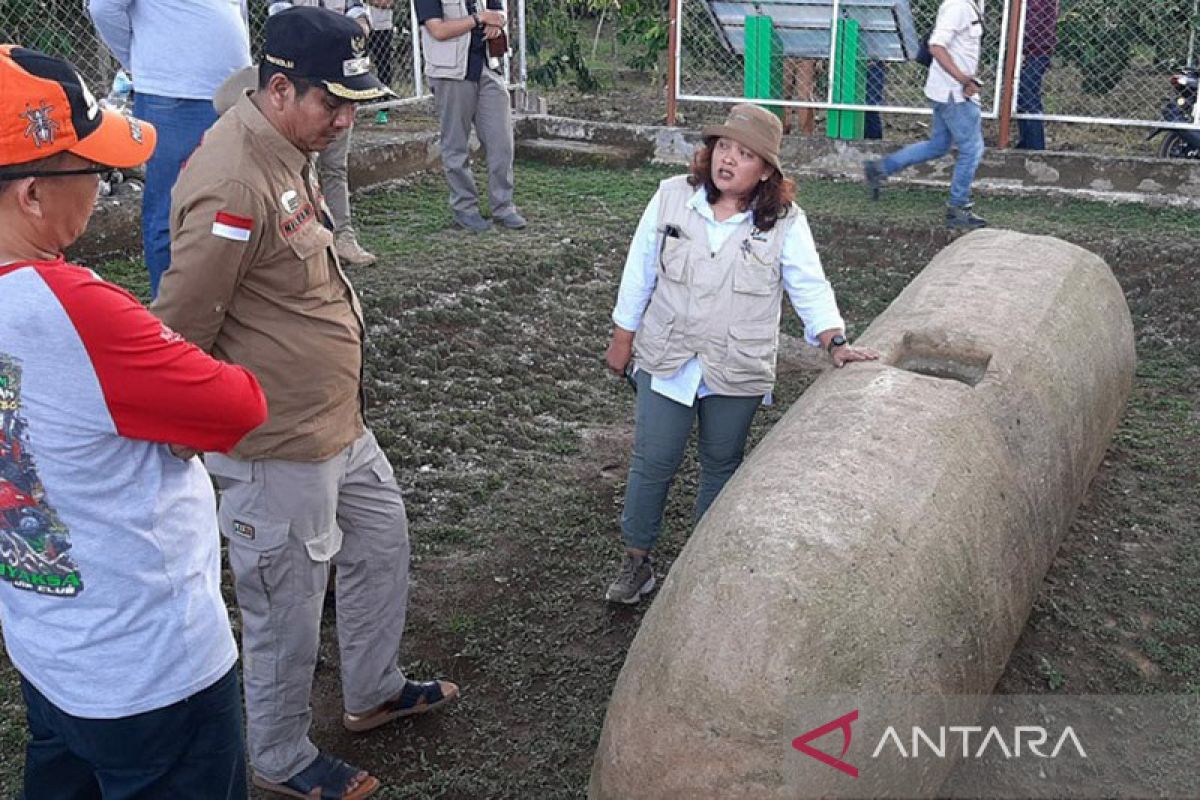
578	153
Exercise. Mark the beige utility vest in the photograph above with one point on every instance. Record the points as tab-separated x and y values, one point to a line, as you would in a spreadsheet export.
447	59
722	307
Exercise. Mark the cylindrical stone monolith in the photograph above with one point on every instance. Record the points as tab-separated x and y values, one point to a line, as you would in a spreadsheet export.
888	536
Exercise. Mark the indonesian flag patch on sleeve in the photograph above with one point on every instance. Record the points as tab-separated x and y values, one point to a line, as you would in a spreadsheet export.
231	226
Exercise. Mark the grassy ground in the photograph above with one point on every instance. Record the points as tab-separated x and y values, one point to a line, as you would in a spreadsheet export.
487	390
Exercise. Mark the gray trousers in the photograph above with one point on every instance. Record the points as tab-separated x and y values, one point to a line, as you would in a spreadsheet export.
286	521
660	434
333	172
460	105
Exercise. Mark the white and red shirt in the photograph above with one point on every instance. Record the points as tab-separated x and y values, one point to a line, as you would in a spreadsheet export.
110	597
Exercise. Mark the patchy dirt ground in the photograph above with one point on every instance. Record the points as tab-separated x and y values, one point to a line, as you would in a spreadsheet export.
487	390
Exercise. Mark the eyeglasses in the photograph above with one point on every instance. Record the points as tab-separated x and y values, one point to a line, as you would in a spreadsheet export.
96	170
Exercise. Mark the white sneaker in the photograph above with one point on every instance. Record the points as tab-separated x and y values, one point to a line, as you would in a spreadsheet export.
350	252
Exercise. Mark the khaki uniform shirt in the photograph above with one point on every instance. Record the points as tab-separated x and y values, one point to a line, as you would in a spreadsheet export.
254	280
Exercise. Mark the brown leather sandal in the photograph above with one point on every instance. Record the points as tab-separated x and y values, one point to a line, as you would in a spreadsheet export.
414	698
326	778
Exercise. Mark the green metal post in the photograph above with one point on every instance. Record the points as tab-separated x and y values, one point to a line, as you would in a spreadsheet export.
763	76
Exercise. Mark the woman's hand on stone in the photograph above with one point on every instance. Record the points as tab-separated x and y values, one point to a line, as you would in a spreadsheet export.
846	353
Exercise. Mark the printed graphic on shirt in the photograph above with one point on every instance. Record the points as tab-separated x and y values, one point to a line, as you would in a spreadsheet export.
34	543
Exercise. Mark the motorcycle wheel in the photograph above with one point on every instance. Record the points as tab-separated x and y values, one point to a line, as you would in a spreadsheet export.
1175	146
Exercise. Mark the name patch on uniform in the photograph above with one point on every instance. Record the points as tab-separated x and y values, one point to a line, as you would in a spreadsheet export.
290	225
233	227
243	529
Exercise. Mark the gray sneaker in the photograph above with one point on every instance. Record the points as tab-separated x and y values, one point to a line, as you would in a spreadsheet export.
512	220
963	218
472	222
874	175
635	579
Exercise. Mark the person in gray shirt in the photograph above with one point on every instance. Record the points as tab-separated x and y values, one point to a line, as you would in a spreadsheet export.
178	53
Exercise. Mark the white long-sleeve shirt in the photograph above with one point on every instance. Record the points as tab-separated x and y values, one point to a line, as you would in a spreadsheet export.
959	29
803	278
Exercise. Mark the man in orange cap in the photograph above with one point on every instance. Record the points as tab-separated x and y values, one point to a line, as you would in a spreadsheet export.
110	595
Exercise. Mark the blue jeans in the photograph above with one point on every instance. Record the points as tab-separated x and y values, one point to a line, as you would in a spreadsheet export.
661	430
180	125
1029	101
191	749
958	124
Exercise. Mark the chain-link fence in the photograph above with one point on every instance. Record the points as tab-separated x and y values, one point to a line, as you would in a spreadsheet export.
713	62
1095	61
63	28
1105	60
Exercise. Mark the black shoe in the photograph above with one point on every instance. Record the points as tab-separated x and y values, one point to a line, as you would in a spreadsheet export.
963	218
875	176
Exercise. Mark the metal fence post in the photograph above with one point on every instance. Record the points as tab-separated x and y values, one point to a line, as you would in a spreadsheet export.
1015	11
672	62
522	64
414	28
1192	37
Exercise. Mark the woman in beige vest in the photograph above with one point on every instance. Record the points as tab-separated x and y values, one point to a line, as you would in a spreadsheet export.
697	319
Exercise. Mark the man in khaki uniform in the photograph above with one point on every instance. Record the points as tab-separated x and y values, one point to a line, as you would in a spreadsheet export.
255	279
333	163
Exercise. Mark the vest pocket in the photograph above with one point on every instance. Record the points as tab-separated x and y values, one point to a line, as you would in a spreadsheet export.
674	259
653	334
751	350
753	276
441	53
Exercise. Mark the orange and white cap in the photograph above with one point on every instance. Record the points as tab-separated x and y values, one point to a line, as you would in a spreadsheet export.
46	108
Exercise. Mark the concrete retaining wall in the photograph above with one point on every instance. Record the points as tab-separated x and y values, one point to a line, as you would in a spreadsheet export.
1118	179
888	536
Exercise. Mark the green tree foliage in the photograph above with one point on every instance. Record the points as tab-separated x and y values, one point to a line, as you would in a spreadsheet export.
1105	38
554	36
44	25
553	43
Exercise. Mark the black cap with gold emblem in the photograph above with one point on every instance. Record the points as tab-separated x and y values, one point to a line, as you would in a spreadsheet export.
324	47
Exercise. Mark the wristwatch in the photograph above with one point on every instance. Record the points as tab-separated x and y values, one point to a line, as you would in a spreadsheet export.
837	340
478	21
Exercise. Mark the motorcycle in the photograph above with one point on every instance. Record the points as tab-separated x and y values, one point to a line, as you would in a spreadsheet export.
1177	142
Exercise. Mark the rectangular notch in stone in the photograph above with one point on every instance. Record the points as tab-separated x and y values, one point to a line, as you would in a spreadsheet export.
937	357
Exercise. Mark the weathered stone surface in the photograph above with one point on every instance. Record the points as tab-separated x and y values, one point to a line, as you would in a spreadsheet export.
378	156
575	153
889	534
